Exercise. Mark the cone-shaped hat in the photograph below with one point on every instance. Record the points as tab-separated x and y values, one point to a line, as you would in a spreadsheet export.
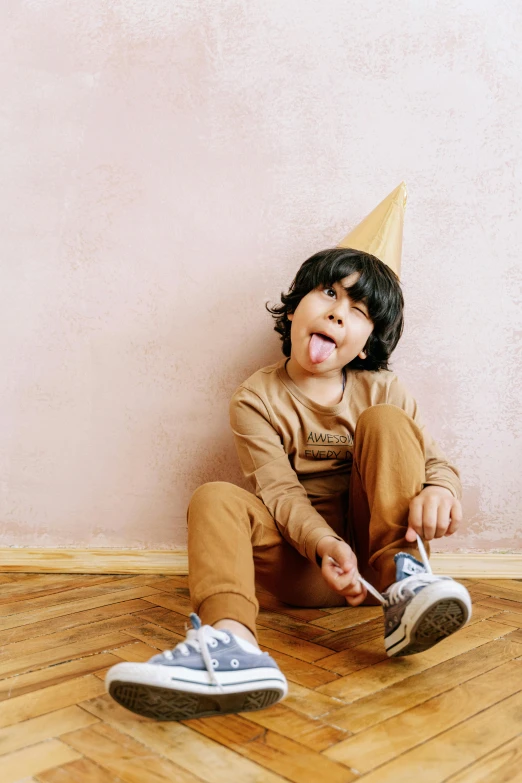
380	233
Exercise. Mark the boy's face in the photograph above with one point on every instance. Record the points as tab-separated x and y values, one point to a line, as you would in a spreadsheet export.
330	311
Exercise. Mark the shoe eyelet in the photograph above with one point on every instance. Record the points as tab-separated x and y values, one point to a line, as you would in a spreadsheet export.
185	653
234	663
213	643
226	639
215	663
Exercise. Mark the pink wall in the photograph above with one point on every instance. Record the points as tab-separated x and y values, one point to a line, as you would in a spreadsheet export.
166	168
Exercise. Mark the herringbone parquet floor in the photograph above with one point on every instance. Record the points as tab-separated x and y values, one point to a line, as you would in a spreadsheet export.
453	713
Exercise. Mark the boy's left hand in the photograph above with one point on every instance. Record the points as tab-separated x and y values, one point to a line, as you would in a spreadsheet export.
434	513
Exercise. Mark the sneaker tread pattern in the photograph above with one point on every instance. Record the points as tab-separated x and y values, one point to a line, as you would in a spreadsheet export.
436	624
166	704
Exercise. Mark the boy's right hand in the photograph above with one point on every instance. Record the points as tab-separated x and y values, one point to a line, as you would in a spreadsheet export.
339	569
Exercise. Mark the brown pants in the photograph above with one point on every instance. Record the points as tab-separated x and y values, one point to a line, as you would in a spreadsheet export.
233	541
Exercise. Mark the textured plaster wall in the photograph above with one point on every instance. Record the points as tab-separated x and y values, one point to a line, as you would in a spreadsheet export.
167	166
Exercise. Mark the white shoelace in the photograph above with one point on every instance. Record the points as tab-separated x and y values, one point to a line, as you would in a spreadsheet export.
199	638
396	591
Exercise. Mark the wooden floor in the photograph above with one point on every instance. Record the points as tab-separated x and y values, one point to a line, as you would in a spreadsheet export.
453	713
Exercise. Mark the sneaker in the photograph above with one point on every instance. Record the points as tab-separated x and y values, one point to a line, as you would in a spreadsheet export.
193	681
420	608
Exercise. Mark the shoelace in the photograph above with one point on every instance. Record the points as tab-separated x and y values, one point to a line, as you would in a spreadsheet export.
197	638
396	591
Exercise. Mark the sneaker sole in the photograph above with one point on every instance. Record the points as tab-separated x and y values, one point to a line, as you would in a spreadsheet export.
167	704
439	620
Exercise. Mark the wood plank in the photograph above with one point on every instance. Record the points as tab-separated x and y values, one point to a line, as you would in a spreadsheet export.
405	694
94	561
290	645
451	751
515	636
69	619
47	657
21	613
81	771
492	585
361	656
502	604
155	636
382	674
27	586
302	672
61	672
80	633
512	593
502	765
31	761
271	603
310	702
371	650
347	638
310	732
173	621
170	584
271	750
35	730
385	741
349	617
136	652
175	601
477	596
510	618
125	757
203	757
102	673
288	625
50	699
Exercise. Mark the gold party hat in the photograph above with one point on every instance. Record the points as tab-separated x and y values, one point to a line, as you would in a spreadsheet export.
380	233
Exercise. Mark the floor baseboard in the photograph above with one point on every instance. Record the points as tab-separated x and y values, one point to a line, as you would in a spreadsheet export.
134	561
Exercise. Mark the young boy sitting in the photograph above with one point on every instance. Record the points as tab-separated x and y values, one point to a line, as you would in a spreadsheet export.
347	480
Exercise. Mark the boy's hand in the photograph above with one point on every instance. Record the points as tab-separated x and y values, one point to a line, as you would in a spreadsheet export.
339	569
434	513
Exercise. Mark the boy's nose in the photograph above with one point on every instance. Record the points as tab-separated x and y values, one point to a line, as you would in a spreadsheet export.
332	318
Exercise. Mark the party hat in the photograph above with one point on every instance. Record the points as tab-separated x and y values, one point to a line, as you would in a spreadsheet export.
380	233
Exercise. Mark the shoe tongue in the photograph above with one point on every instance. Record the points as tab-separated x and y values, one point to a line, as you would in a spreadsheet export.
407	565
320	348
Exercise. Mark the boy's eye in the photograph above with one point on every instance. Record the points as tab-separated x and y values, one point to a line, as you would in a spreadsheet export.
334	292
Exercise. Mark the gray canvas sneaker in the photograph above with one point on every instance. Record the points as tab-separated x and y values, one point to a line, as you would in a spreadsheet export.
420	608
212	672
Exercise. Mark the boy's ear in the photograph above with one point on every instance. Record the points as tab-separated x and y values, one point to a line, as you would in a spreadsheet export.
362	355
290	316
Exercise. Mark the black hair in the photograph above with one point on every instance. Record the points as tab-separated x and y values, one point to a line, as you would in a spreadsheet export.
378	287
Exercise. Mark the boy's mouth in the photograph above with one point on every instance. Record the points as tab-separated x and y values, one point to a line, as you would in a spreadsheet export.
321	346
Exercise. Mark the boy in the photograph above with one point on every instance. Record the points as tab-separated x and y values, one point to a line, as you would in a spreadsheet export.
346	478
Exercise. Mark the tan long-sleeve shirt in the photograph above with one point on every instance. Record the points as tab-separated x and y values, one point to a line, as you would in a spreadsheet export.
292	449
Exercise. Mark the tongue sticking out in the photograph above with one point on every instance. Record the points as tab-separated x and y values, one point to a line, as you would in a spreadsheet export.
320	348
